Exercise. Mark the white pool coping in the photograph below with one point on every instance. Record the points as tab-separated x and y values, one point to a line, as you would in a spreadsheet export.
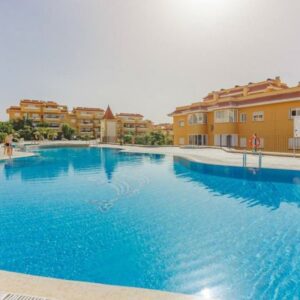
16	154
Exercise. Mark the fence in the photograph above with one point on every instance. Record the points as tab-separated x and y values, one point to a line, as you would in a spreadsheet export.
268	143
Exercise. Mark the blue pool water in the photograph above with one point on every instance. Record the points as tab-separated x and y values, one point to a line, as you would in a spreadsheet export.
151	221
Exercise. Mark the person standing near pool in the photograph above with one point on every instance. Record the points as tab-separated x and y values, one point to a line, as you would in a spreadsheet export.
8	148
254	142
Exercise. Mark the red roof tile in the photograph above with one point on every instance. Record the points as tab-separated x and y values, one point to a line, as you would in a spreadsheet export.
108	114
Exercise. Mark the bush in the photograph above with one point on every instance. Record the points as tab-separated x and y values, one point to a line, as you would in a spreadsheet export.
6	127
67	131
127	138
2	137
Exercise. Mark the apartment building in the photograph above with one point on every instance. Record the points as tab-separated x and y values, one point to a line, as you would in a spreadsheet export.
229	117
86	121
49	112
165	128
130	123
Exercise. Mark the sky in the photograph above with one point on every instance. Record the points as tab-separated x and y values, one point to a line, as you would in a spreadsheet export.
142	56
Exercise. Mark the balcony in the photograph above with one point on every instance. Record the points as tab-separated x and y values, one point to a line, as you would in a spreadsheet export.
142	129
86	130
31	109
51	110
81	124
129	129
85	116
52	117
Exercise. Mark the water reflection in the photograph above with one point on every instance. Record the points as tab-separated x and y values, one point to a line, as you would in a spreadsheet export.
252	186
54	162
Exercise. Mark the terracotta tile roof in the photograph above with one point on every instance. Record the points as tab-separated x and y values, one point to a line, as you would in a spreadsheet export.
108	114
268	90
129	115
41	102
15	108
88	109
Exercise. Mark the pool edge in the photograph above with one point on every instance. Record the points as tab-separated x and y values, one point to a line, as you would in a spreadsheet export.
38	286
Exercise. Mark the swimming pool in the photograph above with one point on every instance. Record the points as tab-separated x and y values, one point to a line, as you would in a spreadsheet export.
151	221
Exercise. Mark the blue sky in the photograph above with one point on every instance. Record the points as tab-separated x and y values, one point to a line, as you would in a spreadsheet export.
142	56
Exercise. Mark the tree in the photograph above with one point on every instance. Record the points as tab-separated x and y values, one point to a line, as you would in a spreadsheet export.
127	138
67	131
26	133
5	129
157	138
21	123
51	134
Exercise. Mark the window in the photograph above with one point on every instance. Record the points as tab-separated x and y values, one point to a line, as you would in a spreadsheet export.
294	143
243	142
258	116
226	140
192	119
294	112
181	123
200	139
197	118
243	117
225	116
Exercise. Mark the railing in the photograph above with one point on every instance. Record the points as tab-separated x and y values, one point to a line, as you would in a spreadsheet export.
267	143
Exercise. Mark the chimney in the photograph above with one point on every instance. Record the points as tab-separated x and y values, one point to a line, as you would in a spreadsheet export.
245	91
216	96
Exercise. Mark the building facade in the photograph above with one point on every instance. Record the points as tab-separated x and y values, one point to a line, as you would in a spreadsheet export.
229	117
129	123
85	121
37	111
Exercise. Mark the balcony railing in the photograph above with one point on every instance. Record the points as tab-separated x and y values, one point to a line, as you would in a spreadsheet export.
49	109
86	124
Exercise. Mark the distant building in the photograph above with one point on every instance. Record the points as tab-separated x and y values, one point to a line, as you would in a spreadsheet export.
130	123
85	121
37	111
229	117
165	128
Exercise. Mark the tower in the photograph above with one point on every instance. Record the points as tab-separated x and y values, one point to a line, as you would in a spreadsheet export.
108	127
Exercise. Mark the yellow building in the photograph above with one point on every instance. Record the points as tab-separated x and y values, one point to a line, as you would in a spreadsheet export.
49	112
86	121
229	117
129	123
